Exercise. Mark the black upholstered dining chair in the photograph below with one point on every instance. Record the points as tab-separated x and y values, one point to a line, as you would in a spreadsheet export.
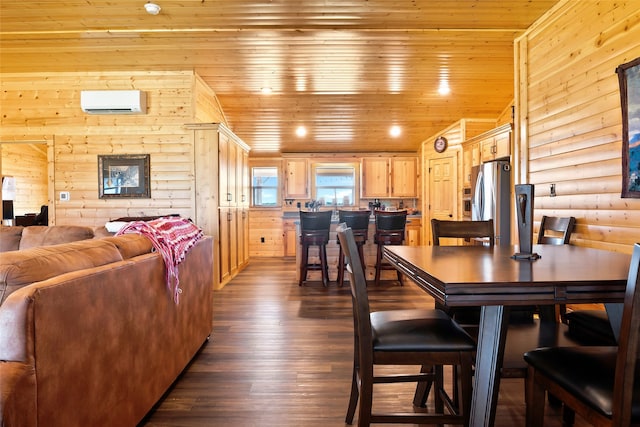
428	338
601	383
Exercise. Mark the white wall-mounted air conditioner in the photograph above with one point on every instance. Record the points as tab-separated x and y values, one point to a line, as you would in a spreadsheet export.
113	101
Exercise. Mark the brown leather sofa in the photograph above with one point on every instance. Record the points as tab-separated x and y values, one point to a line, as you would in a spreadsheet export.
90	334
18	238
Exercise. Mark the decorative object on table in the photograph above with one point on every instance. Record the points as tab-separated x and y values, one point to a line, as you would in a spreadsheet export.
524	211
629	79
124	176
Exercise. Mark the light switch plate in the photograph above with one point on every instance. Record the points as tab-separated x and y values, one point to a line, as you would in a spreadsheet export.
64	196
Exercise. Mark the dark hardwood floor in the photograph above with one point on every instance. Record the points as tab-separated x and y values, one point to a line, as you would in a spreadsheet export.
281	355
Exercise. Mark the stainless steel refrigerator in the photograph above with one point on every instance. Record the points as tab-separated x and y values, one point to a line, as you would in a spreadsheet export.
491	197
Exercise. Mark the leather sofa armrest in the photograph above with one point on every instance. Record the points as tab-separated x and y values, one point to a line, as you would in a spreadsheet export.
17	394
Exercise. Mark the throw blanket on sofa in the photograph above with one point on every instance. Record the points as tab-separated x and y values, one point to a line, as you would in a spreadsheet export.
172	237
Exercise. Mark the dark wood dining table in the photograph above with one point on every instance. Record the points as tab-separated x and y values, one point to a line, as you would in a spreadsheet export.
491	278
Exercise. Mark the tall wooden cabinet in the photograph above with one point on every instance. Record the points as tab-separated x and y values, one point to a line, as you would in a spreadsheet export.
222	196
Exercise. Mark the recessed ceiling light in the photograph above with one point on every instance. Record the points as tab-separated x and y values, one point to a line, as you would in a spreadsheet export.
266	90
395	131
152	8
301	131
444	88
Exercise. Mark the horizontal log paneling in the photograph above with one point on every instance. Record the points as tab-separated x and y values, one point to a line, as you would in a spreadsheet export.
50	104
267	224
27	163
574	120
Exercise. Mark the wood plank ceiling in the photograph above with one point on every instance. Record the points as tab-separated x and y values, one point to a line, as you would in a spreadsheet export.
345	69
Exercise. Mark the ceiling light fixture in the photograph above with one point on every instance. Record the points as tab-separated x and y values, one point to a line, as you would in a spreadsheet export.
395	131
152	8
301	131
444	88
266	90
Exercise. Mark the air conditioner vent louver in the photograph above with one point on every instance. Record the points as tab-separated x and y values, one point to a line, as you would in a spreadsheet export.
113	101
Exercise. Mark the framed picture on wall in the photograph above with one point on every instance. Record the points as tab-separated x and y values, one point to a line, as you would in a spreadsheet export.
124	176
629	78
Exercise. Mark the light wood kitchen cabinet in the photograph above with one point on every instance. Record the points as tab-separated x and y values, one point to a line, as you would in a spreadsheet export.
470	158
228	171
296	179
412	232
374	177
497	144
404	177
389	177
289	228
221	178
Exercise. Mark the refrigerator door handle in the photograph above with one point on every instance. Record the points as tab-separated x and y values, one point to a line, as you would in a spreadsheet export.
478	205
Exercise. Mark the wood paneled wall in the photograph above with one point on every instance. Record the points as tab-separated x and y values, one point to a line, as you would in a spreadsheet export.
49	104
568	117
27	163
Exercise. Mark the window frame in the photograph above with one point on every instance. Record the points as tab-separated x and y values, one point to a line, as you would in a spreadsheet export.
278	187
337	165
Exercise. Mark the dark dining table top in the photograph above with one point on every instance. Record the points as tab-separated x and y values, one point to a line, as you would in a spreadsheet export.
479	275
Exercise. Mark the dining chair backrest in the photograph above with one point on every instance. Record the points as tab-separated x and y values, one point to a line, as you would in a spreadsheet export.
462	230
390	221
315	223
628	346
356	220
555	230
358	284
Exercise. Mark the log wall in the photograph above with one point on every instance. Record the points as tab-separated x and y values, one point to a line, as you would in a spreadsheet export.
568	117
35	104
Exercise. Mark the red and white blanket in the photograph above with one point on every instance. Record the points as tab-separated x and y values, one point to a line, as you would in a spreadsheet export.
172	237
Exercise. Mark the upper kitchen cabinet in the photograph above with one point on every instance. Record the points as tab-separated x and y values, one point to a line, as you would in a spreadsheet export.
404	177
389	177
297	178
375	177
496	144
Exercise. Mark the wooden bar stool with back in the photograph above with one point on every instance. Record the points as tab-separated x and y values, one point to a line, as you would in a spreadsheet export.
314	231
358	222
390	228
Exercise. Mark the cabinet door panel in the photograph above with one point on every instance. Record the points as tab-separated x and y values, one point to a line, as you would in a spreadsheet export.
375	177
296	185
404	177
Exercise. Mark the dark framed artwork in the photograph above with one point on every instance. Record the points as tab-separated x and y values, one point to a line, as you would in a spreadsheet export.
125	176
629	78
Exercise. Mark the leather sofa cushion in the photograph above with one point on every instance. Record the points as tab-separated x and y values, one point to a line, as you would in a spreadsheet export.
10	238
21	268
41	235
131	245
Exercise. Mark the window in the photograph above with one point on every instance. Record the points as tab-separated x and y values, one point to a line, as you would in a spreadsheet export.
335	184
264	186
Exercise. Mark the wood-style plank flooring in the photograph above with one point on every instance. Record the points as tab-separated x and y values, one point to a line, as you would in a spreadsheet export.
281	355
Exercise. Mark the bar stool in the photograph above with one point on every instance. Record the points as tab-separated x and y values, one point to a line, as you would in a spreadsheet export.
314	231
390	228
358	221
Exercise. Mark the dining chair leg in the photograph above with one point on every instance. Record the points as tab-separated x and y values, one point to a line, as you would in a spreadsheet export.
324	266
535	399
303	264
340	278
353	399
422	389
378	264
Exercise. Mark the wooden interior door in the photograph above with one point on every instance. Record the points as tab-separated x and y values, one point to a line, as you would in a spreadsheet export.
442	190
